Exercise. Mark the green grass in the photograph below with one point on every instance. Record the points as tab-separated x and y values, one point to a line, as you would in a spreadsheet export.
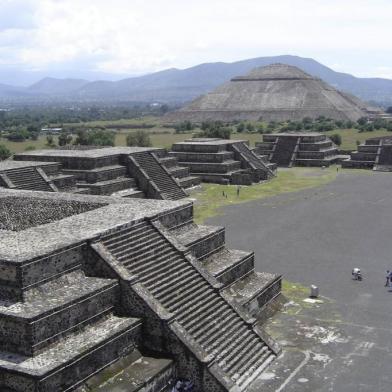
350	136
209	200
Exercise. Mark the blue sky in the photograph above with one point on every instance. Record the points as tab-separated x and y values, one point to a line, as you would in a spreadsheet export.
112	39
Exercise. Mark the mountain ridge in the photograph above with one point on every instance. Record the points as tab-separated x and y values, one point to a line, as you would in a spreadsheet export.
183	85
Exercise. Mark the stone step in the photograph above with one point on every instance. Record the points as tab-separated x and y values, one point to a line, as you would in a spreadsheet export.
255	370
148	257
66	364
168	161
214	328
233	352
148	269
229	265
246	362
103	173
135	373
228	332
211	321
179	171
172	281
152	278
187	307
200	239
186	295
189	181
198	307
253	292
125	232
132	237
172	285
62	181
108	187
222	347
131	193
141	247
54	310
142	255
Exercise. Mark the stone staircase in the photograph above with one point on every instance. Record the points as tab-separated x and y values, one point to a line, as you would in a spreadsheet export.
29	178
253	161
165	183
62	327
284	151
181	173
179	287
249	291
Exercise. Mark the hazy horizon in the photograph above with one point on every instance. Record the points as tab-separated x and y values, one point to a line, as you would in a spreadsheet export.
118	39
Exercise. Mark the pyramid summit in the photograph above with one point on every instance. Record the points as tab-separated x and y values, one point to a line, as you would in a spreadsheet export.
276	92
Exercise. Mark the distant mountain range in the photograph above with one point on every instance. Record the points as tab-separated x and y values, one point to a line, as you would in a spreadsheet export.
179	86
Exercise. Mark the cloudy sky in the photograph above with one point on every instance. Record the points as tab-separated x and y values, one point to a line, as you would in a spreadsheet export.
112	39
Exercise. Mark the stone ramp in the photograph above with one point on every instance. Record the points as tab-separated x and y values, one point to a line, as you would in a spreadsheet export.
155	172
235	348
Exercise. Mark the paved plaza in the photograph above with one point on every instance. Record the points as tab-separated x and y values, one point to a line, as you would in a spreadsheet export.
316	237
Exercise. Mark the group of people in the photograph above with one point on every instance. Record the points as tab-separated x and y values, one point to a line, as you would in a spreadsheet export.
183	386
357	275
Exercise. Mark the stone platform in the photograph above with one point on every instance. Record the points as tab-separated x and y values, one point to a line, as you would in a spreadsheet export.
132	286
298	149
375	153
132	172
222	161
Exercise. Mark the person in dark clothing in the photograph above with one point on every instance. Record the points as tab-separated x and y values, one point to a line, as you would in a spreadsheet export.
388	279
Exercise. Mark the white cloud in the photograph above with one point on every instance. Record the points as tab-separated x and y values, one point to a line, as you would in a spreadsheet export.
134	36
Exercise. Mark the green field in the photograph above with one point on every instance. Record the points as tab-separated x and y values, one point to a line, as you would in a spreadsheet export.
165	137
350	136
209	200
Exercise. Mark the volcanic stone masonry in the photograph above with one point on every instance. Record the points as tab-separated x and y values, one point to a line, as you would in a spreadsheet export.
118	171
375	153
222	161
298	149
99	293
276	92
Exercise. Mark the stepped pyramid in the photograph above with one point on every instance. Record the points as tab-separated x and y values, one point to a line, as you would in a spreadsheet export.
131	172
105	293
276	92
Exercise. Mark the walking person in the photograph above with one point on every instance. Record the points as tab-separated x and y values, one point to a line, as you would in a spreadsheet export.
238	190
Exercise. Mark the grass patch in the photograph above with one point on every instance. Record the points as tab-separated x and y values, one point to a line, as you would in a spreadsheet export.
350	136
210	199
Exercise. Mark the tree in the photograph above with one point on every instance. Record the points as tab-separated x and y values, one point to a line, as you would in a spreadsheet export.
50	141
260	128
96	137
64	139
4	152
139	138
240	127
336	138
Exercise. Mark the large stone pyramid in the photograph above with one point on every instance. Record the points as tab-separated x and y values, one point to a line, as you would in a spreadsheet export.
275	92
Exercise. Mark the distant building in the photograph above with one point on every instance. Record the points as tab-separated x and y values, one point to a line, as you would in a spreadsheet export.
51	130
